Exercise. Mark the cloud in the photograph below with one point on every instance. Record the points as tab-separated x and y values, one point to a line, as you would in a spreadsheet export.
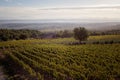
19	4
104	13
86	7
6	0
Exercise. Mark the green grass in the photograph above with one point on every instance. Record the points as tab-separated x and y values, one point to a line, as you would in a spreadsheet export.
51	59
61	40
105	37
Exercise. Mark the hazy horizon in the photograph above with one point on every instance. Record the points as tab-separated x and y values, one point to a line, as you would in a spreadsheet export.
57	21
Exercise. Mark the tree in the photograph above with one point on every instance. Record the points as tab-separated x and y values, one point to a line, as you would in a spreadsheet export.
23	36
80	34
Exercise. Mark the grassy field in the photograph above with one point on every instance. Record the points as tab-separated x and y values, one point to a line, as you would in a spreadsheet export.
105	37
53	59
61	40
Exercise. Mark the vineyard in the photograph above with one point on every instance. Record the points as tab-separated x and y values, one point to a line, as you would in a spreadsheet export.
105	37
53	60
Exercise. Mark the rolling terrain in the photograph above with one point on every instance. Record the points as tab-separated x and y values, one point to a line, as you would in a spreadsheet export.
53	59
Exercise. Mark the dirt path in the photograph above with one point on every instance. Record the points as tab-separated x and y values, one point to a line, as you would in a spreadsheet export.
1	56
2	74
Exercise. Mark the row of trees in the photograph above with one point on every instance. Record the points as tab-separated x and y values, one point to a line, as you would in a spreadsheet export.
10	34
109	32
64	34
6	34
79	33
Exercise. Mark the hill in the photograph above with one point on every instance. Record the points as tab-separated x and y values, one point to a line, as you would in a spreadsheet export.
51	59
54	26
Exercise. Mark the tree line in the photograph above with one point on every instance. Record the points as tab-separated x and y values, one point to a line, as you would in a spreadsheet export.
11	34
79	33
14	34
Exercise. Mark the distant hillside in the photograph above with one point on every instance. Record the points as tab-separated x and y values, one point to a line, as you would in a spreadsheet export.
61	26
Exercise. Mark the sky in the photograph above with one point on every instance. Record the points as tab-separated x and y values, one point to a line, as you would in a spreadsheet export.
108	10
